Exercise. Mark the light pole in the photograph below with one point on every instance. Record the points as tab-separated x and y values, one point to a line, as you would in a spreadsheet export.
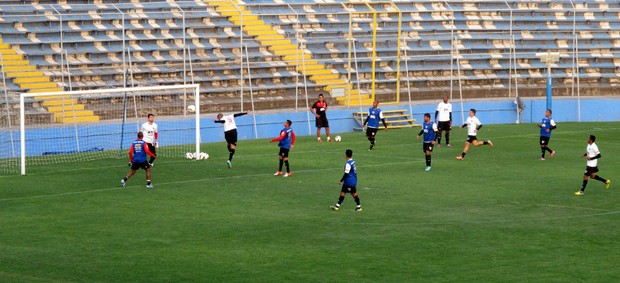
549	58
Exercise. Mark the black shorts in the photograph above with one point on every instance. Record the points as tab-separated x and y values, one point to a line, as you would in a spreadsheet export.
444	126
471	139
348	189
140	165
371	132
231	136
590	170
322	122
283	152
544	140
427	146
152	148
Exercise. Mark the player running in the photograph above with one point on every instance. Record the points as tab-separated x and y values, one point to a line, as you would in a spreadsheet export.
286	142
319	109
137	159
429	130
374	115
348	182
230	133
151	135
473	125
444	112
546	127
592	155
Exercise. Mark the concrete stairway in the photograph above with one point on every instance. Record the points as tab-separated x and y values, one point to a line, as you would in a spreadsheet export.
394	119
26	76
277	43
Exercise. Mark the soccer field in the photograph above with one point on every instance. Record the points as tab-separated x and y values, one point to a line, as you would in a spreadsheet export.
499	215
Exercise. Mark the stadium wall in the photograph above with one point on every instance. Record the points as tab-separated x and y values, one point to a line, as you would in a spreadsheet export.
268	125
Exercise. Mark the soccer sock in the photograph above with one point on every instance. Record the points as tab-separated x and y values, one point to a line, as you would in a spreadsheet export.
447	138
125	178
548	149
281	163
152	159
340	200
439	139
232	153
463	154
485	143
543	149
597	177
428	160
357	200
288	169
148	182
583	186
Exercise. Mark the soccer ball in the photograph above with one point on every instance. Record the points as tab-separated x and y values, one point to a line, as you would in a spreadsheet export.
189	155
203	156
191	108
338	139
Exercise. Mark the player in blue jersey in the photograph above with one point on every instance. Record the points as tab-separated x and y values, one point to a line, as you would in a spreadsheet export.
137	159
429	130
348	183
546	127
374	116
286	142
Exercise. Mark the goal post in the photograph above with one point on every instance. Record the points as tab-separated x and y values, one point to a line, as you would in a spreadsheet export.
74	126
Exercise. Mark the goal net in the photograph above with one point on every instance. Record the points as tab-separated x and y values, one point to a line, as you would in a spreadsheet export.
77	126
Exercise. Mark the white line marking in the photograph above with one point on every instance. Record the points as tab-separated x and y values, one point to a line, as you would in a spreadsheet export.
481	221
267	175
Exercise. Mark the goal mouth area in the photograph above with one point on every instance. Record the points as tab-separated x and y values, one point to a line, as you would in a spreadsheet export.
102	123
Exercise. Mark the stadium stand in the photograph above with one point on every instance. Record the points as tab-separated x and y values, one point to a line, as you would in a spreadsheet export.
293	45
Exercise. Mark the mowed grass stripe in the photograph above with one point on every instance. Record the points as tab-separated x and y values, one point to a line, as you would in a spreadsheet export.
500	215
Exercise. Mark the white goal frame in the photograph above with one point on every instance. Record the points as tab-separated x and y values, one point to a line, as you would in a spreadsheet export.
23	96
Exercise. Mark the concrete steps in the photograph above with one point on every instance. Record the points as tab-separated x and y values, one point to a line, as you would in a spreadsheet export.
27	77
394	119
277	43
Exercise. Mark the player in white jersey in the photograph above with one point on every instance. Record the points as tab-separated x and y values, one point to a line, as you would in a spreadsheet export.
230	133
444	123
592	155
151	135
473	125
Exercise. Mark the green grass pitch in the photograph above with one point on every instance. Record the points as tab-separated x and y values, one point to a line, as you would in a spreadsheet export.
499	215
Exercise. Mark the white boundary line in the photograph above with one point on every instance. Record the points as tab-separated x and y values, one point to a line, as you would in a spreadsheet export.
483	221
202	180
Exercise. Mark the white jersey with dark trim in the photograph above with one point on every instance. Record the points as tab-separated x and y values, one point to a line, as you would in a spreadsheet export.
444	110
472	125
148	130
592	151
229	122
